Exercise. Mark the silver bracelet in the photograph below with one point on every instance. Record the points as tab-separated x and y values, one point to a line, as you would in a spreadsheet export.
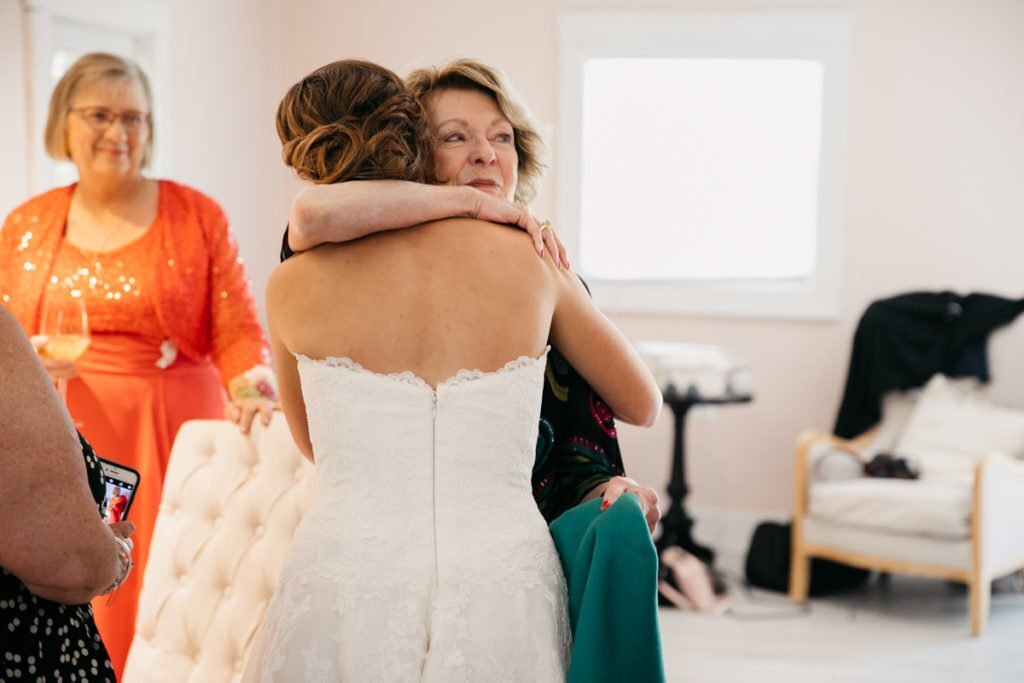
125	555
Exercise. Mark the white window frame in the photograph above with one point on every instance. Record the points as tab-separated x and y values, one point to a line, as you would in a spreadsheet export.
823	37
147	22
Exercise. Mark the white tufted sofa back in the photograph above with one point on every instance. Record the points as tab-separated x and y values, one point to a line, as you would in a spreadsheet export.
230	506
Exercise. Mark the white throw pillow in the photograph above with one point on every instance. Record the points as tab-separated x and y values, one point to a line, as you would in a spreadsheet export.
952	427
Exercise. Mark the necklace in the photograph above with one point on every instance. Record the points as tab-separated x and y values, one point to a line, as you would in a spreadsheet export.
110	233
88	218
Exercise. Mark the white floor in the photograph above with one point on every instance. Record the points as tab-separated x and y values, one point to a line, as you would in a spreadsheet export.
909	630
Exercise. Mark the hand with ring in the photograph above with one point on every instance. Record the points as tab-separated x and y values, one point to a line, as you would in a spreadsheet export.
487	207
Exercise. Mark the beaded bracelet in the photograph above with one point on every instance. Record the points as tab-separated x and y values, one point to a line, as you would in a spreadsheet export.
125	555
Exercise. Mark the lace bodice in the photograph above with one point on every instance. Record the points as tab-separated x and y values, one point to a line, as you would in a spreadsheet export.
429	430
424	526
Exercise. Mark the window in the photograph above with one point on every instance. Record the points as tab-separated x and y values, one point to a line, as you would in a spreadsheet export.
699	160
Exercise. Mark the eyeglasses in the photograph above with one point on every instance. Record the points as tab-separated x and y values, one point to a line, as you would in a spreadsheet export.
101	118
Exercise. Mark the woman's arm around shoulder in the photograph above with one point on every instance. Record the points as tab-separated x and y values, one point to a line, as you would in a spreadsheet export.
53	537
342	212
601	354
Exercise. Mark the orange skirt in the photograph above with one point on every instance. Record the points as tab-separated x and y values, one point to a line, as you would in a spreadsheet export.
130	411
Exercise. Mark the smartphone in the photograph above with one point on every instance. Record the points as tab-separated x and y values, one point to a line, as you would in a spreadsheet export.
121	484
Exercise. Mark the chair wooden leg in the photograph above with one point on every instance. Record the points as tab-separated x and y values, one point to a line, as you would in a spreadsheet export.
980	590
980	586
799	571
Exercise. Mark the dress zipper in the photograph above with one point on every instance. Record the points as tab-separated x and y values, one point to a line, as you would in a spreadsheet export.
433	464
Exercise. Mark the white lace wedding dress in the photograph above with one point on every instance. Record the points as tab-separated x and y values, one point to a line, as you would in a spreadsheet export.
423	556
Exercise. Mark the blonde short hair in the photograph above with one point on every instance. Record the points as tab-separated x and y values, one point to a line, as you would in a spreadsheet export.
90	69
470	74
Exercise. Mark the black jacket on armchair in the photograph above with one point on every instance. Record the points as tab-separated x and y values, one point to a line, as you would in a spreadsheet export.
902	341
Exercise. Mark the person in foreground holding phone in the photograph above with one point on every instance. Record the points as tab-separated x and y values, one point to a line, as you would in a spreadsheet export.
57	553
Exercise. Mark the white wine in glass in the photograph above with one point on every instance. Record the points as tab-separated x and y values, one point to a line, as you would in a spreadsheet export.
65	324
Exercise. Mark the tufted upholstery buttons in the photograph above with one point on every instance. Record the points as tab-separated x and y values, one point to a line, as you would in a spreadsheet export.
213	567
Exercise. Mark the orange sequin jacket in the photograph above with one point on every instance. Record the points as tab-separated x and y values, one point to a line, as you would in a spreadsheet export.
202	295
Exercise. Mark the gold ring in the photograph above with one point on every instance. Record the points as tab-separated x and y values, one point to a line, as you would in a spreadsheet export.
545	225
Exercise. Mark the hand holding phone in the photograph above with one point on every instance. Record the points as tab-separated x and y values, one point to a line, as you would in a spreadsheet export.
124	530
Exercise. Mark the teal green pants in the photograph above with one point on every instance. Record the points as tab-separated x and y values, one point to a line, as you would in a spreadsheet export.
611	568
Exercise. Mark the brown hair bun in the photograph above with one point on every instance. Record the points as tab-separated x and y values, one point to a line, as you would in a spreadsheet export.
353	120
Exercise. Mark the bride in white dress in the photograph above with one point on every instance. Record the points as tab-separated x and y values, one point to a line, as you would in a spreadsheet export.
423	556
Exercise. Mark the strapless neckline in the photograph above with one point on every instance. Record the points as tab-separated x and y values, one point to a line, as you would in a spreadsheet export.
422	528
409	377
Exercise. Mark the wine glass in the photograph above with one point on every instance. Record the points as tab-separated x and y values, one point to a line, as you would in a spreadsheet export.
65	324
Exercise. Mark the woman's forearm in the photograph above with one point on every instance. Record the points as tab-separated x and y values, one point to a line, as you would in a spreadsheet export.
603	356
53	537
79	576
348	211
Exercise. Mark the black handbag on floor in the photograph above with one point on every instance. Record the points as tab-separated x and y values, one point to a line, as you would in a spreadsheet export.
767	564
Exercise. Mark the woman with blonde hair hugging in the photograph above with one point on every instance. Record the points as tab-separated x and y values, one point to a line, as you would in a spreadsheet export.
578	458
421	357
607	554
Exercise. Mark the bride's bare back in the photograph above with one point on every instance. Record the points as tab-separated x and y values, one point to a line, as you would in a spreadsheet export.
438	298
432	299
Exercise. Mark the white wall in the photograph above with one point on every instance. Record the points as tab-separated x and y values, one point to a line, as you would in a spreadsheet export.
932	189
13	108
226	82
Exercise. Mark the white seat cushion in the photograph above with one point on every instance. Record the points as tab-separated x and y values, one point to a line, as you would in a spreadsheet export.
895	506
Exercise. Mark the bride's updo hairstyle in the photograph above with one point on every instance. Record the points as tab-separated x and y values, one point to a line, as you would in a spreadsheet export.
354	120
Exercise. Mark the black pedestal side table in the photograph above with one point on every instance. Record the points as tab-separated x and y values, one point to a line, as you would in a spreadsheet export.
676	524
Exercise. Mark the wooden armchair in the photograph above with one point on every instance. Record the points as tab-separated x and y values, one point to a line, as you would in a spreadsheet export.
962	521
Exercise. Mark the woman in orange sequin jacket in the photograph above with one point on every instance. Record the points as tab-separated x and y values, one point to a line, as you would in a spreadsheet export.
201	298
172	324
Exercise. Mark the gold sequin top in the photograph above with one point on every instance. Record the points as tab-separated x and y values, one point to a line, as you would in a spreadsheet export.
118	293
190	282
